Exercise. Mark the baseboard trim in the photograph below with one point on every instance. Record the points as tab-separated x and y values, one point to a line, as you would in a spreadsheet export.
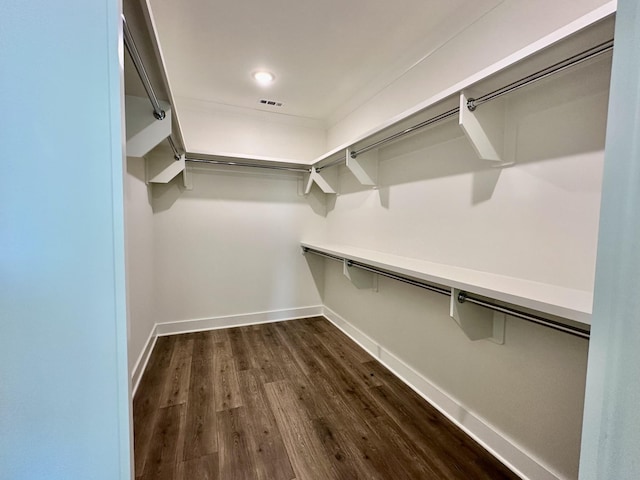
505	450
203	324
143	359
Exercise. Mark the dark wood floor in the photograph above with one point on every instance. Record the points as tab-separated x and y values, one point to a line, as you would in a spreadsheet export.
290	400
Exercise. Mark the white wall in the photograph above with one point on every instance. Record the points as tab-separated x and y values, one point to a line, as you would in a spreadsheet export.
225	130
231	245
537	220
530	389
140	258
512	25
64	396
611	435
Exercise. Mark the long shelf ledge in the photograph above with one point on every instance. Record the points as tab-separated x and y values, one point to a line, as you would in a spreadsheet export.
571	304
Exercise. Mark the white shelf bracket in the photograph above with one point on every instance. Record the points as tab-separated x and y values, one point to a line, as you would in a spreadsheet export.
484	127
327	180
364	167
477	322
163	168
361	279
144	131
187	178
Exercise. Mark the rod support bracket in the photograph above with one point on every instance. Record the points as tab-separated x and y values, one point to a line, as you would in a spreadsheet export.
471	104
462	297
353	154
159	115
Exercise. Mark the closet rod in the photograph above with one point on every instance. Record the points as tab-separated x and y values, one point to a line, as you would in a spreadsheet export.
472	104
462	297
529	317
593	52
245	164
176	153
395	136
158	112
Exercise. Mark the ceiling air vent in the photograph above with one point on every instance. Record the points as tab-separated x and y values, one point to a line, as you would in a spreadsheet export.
271	103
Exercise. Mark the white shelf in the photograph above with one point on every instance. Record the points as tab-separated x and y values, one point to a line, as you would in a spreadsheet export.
541	45
563	302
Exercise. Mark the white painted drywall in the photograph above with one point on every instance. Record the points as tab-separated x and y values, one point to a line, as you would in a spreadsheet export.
241	132
64	396
231	245
530	389
507	28
611	436
140	266
536	219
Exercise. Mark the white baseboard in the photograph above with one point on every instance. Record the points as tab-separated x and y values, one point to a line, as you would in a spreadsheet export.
143	359
508	452
202	324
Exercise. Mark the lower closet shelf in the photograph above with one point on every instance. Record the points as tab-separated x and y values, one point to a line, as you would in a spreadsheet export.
567	303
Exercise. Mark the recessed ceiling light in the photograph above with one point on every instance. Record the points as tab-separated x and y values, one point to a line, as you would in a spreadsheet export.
263	77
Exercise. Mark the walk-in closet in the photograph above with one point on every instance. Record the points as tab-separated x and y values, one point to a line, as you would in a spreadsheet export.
289	240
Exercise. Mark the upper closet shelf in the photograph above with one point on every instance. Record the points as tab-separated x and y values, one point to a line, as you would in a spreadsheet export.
482	138
554	300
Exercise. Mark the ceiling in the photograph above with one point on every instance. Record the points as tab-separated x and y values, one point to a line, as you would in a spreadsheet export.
328	56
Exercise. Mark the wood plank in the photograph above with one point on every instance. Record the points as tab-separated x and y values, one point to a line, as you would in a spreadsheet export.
265	440
305	362
202	346
226	394
240	350
201	468
200	435
449	451
236	459
342	354
162	458
147	400
263	357
346	383
305	450
176	389
334	336
347	460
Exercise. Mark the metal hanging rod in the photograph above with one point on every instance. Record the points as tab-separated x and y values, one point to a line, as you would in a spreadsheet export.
462	297
395	136
472	103
297	169
158	112
176	153
406	131
529	317
593	52
415	283
331	164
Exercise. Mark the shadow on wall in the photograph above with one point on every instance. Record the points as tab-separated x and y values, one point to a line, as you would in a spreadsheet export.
164	195
316	267
560	117
238	184
136	169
